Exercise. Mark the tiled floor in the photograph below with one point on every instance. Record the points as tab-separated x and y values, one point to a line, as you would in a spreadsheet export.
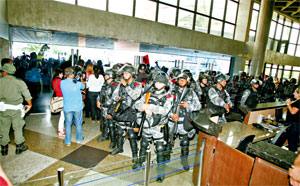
84	164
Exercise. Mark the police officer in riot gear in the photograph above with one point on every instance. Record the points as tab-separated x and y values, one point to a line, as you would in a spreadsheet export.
124	96
185	101
156	105
219	100
250	97
104	101
204	87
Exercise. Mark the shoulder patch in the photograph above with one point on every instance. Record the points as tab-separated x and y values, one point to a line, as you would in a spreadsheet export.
114	84
168	96
136	84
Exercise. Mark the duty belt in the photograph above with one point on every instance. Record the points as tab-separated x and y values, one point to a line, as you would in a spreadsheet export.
4	107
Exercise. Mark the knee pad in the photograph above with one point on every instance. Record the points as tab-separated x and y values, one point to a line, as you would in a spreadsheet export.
160	147
131	134
184	142
144	143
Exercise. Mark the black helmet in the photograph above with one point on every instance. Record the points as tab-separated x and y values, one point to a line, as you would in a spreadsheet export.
221	77
175	72
161	77
109	73
184	76
142	67
128	68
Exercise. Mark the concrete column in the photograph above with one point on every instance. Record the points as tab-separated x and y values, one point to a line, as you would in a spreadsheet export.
4	48
243	21
238	65
259	48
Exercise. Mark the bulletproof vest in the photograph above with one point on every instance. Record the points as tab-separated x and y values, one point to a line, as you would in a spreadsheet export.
215	109
252	99
178	95
157	100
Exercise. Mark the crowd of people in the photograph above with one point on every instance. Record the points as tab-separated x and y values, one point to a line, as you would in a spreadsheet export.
146	105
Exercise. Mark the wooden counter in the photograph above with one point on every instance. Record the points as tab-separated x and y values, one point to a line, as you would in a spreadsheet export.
265	109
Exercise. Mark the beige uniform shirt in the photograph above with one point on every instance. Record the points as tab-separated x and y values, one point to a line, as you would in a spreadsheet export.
13	90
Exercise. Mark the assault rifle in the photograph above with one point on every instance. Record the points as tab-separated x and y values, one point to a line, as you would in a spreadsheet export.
147	98
177	109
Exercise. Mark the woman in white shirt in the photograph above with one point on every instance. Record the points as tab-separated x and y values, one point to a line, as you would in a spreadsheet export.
94	85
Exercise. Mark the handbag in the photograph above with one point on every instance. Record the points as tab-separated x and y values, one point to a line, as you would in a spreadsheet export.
56	104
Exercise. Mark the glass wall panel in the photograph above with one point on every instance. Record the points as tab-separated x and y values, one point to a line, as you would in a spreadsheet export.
267	71
203	6
67	1
286	33
254	19
282	47
145	9
286	74
216	27
228	30
278	31
172	2
96	4
294	35
218	9
166	14
121	7
296	25
296	68
185	19
291	49
273	72
274	16
256	6
252	35
287	67
280	20
279	73
231	11
201	23
272	29
188	4
287	22
295	74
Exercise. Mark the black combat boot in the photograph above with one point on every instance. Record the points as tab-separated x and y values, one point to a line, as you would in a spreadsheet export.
184	143
160	151
112	133
134	150
21	148
143	150
105	135
119	147
4	150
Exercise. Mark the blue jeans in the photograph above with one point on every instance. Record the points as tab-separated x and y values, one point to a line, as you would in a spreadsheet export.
69	118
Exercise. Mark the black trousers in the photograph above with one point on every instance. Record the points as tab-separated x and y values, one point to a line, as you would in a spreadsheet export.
95	112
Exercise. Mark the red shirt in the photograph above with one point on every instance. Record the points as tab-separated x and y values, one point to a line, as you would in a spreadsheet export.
56	87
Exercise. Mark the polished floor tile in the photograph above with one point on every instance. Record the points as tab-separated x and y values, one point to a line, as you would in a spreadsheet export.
85	156
21	167
48	145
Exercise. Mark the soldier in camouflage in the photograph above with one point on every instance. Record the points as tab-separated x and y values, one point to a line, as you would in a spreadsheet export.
156	118
104	101
185	101
250	97
126	93
219	100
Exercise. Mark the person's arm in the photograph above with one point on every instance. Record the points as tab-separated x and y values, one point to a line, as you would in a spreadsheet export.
293	110
294	172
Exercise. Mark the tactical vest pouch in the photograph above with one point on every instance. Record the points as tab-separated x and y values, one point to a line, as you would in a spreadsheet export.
128	115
